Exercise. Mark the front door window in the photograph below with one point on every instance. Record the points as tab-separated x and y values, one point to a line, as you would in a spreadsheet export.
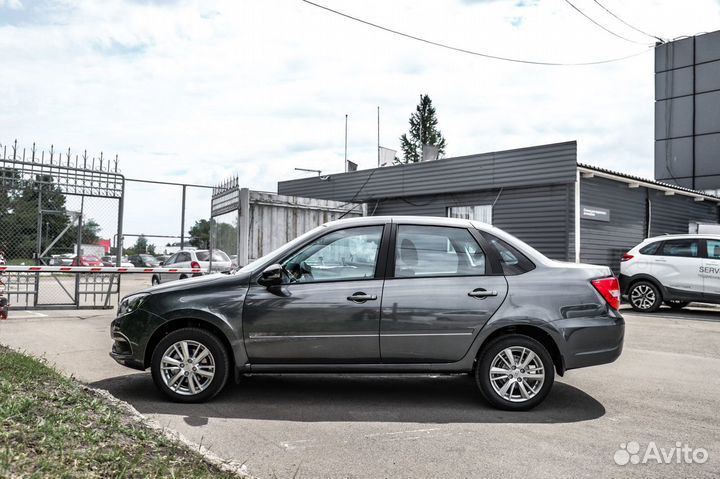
349	254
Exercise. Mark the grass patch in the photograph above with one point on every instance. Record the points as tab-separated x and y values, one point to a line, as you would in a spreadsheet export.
51	427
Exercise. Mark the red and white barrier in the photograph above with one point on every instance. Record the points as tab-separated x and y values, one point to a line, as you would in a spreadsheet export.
93	269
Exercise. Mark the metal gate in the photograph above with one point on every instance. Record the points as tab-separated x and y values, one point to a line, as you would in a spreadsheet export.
59	209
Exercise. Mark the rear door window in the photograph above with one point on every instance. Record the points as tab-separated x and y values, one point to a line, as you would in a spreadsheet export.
685	248
437	251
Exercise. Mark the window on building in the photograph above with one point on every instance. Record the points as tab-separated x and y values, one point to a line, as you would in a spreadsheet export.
482	213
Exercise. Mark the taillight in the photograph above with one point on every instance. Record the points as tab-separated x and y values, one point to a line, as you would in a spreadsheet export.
609	288
195	265
626	257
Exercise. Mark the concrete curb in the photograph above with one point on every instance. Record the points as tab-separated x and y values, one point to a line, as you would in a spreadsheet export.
227	466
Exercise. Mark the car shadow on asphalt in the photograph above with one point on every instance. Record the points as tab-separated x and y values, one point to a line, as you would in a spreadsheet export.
351	398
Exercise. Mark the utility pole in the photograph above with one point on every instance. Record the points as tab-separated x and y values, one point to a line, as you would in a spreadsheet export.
346	121
378	142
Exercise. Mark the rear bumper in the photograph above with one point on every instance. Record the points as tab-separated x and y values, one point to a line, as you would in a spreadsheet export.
591	341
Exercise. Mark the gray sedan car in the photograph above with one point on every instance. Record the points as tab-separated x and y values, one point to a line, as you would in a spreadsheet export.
380	295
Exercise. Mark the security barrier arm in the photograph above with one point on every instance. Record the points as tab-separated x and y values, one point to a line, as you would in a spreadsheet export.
93	269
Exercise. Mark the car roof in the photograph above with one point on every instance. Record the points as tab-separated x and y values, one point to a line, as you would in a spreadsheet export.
682	236
424	220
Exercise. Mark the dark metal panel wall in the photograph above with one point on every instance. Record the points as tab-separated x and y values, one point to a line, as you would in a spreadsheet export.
538	165
536	215
687	112
605	242
672	214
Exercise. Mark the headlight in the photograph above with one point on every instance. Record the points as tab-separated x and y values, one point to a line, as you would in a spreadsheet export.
131	303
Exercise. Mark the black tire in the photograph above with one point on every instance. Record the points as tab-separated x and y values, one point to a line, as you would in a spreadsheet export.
485	363
155	280
182	276
218	355
677	304
644	297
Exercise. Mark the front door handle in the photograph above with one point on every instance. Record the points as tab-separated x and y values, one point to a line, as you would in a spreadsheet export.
361	297
482	293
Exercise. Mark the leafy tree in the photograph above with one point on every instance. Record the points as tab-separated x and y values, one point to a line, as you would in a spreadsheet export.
90	232
19	217
140	246
200	234
225	235
423	130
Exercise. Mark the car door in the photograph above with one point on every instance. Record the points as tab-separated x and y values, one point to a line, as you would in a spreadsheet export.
711	270
170	263
439	293
677	264
329	308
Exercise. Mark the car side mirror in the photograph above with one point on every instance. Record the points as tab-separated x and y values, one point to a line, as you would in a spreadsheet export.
273	275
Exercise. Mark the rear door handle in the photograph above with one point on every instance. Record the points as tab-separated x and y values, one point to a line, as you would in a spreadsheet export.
482	293
361	297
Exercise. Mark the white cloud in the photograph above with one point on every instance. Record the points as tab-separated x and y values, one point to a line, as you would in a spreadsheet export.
195	91
11	4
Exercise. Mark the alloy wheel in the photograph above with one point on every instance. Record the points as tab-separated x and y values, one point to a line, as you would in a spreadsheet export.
643	296
187	367
517	374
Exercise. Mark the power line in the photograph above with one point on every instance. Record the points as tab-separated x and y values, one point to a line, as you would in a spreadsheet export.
626	23
469	52
601	26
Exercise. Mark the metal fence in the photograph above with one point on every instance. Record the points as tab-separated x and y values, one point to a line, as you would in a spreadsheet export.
248	224
59	208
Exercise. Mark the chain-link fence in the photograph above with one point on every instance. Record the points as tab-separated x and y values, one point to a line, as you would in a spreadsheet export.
59	208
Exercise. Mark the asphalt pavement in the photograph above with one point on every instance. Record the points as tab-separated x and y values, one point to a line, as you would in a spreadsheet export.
663	391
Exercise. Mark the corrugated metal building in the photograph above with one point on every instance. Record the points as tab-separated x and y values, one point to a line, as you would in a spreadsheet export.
540	194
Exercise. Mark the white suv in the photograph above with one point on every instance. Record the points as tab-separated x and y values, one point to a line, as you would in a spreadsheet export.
674	269
194	259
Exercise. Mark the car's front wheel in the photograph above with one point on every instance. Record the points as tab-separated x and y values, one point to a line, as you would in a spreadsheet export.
515	373
644	297
155	280
190	365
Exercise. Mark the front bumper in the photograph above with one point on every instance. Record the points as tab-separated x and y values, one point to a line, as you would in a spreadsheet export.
591	341
130	334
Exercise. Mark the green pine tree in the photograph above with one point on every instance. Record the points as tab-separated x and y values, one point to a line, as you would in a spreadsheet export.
423	130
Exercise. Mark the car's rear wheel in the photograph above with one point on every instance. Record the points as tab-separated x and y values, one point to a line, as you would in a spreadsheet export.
190	365
677	304
515	373
644	297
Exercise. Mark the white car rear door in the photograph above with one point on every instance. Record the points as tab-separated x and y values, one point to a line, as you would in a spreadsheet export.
677	265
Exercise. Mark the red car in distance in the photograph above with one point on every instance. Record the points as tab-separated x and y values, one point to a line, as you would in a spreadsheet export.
86	261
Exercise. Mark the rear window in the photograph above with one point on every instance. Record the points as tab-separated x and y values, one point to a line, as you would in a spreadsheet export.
688	248
650	248
216	256
513	261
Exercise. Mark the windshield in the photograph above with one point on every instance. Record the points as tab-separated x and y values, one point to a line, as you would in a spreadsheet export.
217	255
253	265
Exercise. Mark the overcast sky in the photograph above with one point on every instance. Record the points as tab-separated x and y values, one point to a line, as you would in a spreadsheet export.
195	91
